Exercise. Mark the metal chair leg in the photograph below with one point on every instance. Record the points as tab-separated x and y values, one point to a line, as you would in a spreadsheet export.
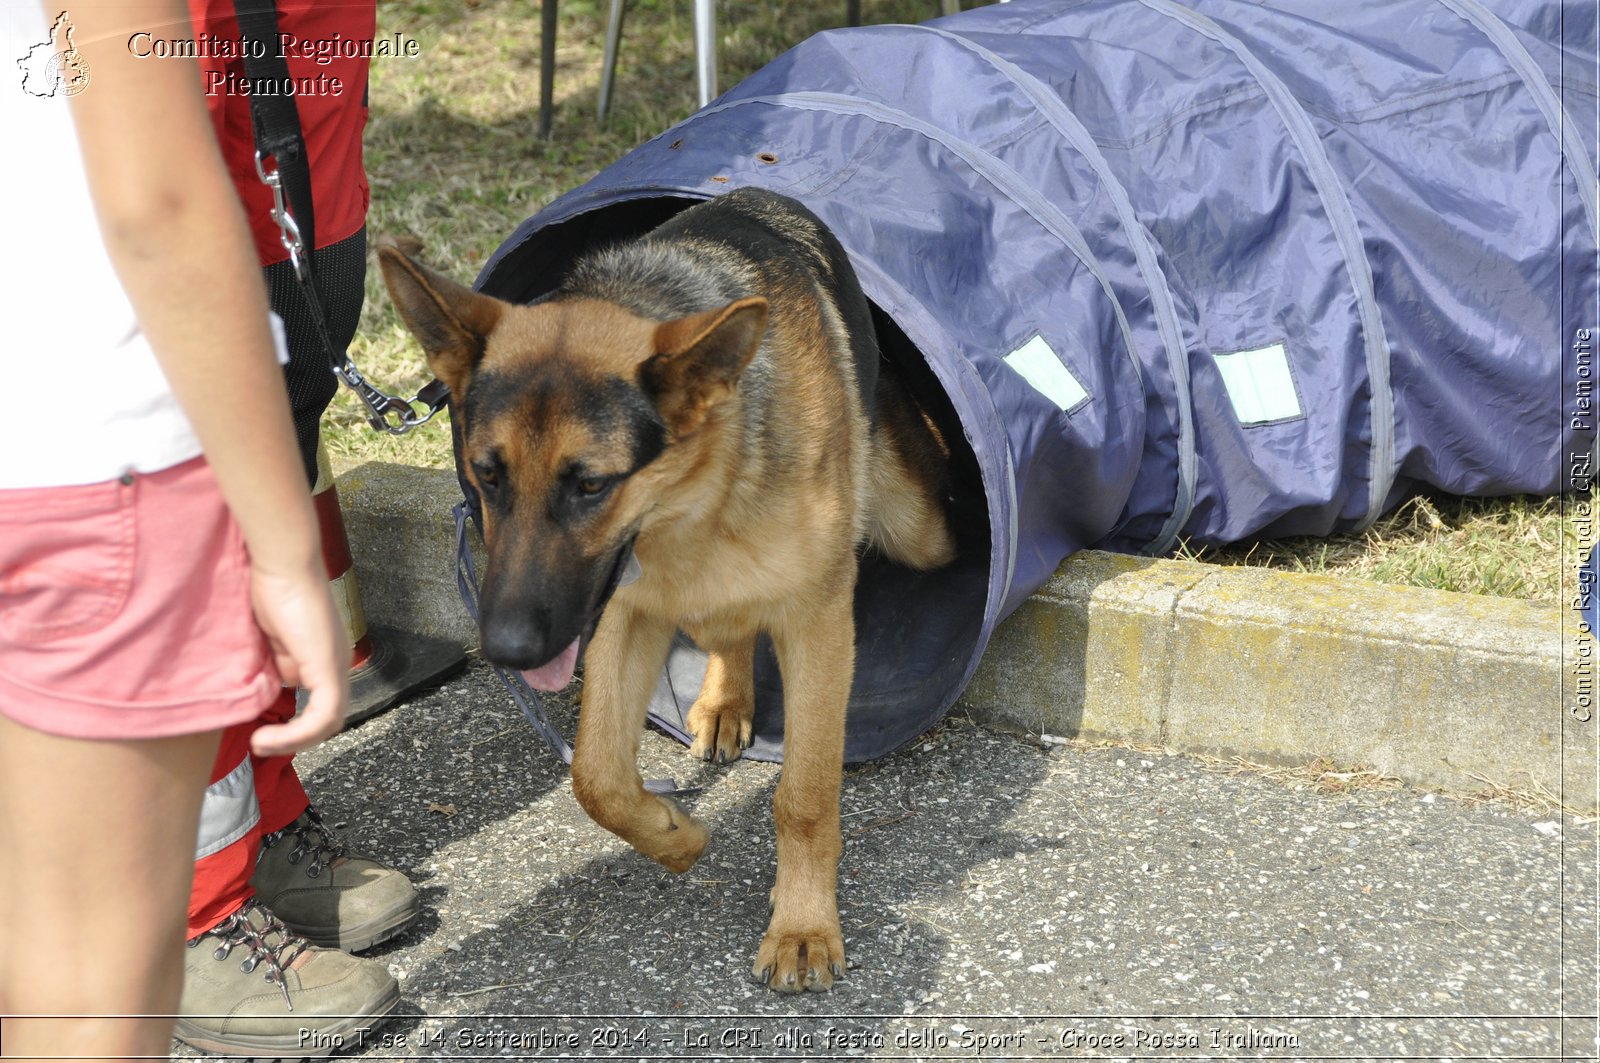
547	65
705	47
608	63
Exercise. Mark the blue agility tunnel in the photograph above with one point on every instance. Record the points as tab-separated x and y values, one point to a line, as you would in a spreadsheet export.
1215	271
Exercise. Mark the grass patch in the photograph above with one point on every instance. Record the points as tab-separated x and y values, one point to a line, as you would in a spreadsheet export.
1507	547
455	160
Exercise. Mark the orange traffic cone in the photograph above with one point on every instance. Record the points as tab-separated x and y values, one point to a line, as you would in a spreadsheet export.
386	664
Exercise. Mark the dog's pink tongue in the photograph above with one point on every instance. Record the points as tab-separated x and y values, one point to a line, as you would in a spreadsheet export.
555	674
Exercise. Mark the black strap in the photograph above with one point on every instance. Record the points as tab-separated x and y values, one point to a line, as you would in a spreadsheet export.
275	120
273	113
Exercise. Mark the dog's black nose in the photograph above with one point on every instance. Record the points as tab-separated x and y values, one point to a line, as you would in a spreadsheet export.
516	641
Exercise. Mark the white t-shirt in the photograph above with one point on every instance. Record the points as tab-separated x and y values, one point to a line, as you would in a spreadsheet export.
86	400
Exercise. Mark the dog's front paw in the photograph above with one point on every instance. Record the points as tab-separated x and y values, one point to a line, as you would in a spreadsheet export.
794	959
677	842
721	727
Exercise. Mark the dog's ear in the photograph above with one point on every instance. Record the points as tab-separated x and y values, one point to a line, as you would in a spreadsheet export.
699	358
451	321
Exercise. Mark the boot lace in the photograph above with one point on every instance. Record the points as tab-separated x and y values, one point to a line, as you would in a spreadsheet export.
311	836
240	930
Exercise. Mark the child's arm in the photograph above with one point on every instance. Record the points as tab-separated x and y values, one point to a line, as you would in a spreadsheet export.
176	234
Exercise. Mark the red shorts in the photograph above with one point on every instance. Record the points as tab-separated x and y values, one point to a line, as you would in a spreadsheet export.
125	609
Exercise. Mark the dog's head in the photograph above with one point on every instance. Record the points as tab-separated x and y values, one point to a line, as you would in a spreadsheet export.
575	417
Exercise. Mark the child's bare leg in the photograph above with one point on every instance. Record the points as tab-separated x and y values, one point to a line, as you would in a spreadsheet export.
99	842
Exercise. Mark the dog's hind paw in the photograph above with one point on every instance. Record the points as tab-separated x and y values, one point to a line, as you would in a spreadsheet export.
721	729
795	961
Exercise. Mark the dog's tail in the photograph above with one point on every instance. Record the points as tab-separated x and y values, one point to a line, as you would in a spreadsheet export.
910	478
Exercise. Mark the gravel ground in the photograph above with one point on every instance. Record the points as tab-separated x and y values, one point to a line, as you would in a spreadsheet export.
1000	900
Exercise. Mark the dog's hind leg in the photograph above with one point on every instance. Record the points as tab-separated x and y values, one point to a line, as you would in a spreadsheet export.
721	717
804	946
620	670
908	476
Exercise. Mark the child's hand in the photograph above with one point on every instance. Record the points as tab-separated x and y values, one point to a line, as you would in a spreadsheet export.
312	651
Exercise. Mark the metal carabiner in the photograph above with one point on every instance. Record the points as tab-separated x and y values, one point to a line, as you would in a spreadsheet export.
390	413
385	413
288	228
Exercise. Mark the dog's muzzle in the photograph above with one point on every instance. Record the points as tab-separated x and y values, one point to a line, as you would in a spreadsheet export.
556	673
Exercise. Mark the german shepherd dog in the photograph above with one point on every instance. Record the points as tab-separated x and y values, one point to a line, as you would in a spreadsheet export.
708	399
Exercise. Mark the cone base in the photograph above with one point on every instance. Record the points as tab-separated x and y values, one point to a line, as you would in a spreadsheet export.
401	664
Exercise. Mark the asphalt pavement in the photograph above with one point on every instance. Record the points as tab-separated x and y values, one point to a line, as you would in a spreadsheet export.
1001	899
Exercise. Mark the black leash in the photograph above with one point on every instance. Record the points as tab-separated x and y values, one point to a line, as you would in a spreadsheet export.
276	123
526	698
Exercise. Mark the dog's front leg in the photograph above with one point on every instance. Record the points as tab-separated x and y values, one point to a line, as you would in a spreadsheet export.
804	946
620	670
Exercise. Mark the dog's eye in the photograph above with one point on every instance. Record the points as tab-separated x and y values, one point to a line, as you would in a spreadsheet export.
488	473
584	485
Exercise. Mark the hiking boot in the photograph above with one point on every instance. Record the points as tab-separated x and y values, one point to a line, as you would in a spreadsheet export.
325	894
250	987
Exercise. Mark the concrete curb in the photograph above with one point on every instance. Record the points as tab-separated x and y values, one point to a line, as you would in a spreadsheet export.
1438	689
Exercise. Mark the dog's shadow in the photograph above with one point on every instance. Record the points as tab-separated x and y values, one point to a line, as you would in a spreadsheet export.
535	911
